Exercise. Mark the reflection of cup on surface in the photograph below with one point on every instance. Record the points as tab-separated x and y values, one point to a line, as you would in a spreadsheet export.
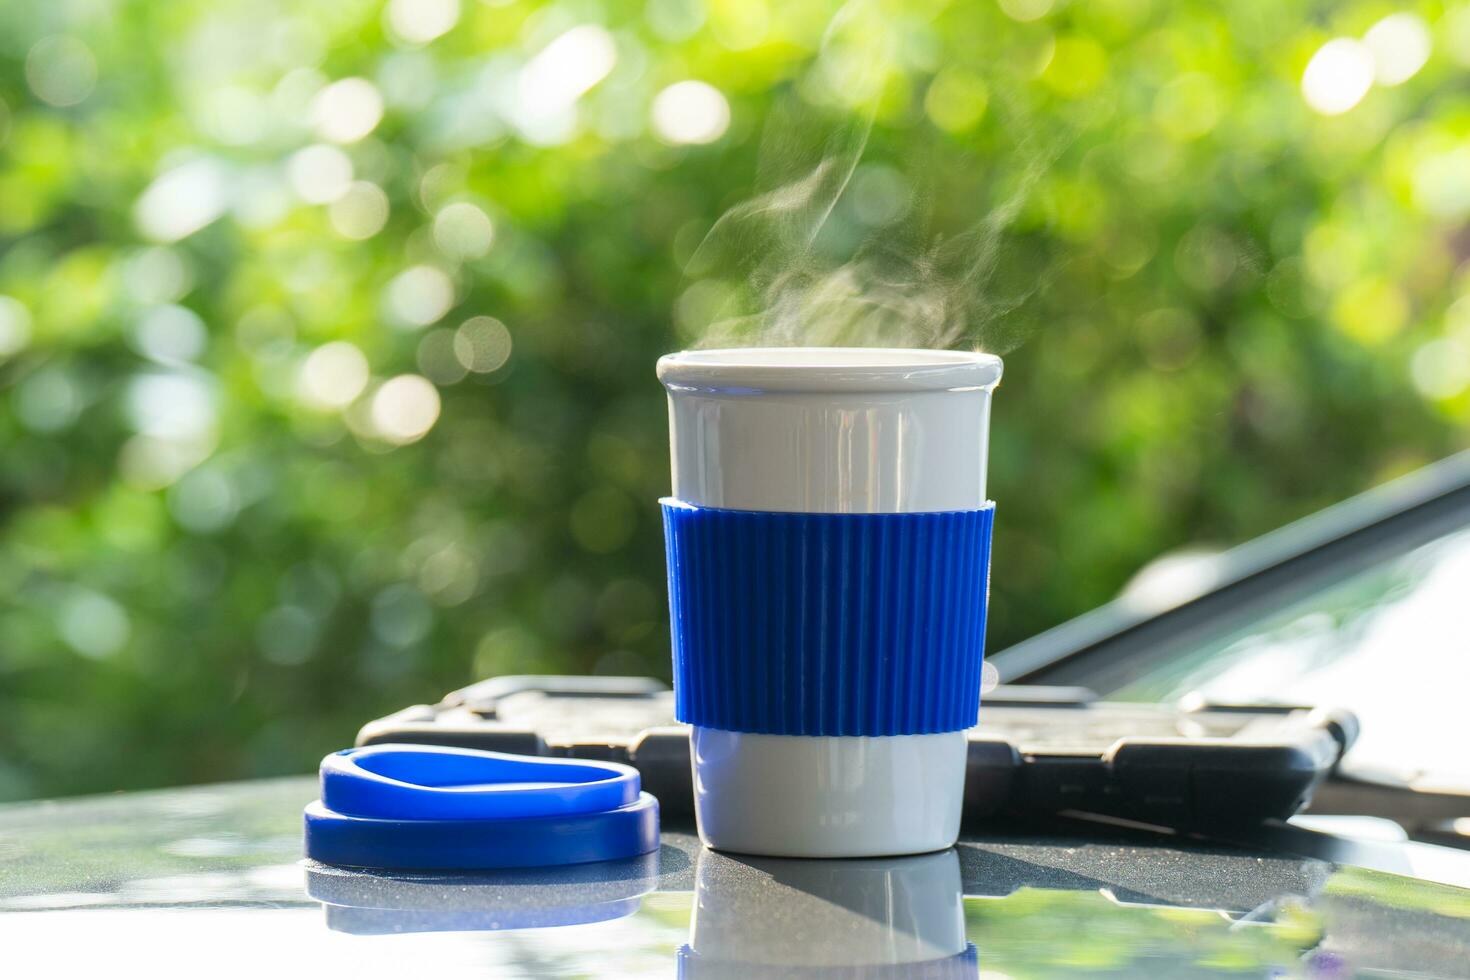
828	544
869	917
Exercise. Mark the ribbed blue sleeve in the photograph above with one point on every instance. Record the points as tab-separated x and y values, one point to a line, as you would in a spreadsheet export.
827	624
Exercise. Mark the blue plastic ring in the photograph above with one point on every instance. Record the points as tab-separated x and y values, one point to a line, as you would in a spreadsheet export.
420	807
433	782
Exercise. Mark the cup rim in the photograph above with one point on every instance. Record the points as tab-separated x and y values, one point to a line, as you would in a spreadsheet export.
750	370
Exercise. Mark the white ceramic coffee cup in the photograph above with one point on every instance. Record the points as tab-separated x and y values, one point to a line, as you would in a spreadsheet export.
838	431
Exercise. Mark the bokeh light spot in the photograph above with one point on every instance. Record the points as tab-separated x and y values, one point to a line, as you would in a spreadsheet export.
266	332
674	20
441	184
740	24
347	110
956	100
156	275
1454	29
1457	318
1026	10
1206	258
170	334
61	70
1188	107
1338	76
1371	311
437	360
1441	368
131	521
172	405
1170	338
149	463
288	635
319	174
420	21
463	231
93	624
690	112
48	401
1400	44
550	84
1441	183
408	79
1078	66
880	194
449	576
15	326
419	296
204	501
261	197
482	344
401	616
405	408
182	201
333	375
361	212
233	114
704	303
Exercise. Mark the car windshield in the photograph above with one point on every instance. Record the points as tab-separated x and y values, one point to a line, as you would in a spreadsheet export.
1388	642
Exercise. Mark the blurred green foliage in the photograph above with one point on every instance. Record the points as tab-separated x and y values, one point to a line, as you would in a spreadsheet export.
321	397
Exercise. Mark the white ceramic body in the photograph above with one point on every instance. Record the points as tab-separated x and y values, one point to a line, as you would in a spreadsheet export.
878	432
803	796
842	431
910	911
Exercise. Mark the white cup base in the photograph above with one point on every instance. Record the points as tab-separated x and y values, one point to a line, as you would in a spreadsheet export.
828	796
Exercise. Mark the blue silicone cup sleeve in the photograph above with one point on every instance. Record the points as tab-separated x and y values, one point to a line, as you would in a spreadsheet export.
827	624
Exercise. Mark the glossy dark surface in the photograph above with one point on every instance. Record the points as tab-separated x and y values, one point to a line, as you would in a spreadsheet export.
209	878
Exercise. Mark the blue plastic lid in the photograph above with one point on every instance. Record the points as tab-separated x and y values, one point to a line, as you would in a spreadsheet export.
438	808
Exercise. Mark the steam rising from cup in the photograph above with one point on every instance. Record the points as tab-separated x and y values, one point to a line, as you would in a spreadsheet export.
854	238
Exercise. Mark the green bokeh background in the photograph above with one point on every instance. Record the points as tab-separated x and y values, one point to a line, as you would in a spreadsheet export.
1220	310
